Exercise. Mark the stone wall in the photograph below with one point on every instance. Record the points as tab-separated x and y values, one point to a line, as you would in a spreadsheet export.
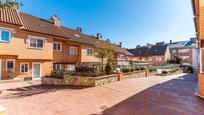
134	75
90	81
80	81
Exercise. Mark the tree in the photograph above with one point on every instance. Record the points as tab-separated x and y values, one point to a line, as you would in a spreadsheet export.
103	50
10	4
108	69
175	60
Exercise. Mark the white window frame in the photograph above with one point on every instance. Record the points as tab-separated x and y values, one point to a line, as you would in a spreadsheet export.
174	51
70	51
37	38
7	63
6	29
21	68
89	49
59	43
181	51
72	65
158	58
59	66
201	63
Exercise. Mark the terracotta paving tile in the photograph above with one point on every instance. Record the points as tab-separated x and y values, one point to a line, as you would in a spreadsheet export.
141	96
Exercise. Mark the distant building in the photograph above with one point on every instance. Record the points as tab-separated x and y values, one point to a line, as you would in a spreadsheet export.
187	50
154	54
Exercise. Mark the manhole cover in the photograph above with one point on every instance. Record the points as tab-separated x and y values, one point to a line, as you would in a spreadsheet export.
104	107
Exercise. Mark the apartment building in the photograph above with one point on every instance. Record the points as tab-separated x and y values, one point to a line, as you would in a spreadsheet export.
153	54
187	50
198	10
32	47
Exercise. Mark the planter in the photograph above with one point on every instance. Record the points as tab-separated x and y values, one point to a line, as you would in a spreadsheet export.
91	81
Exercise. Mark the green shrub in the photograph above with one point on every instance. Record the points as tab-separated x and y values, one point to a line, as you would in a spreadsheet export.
152	69
88	74
165	72
132	70
142	68
187	68
137	69
126	70
175	60
108	69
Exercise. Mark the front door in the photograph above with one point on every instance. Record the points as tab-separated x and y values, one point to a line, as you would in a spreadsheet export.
0	69
36	70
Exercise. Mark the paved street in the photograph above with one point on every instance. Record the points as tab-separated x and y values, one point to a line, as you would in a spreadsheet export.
172	95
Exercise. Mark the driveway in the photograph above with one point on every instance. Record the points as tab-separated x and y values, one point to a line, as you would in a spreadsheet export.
141	96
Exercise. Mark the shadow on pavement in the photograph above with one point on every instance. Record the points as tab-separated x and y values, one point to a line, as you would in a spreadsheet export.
174	97
36	89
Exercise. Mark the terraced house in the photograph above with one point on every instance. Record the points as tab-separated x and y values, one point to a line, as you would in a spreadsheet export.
187	50
153	54
198	8
32	47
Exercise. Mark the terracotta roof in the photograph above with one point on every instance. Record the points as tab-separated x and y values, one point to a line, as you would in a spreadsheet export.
10	16
39	25
153	51
35	24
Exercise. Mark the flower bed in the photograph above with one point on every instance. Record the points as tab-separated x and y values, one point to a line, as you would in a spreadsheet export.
80	80
91	81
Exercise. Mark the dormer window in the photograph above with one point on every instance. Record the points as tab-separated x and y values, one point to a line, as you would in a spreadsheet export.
5	35
77	35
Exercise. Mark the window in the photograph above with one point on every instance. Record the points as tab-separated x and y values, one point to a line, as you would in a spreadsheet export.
5	35
10	64
183	50
24	68
35	42
57	46
89	51
158	58
56	67
185	57
174	51
73	51
71	67
121	56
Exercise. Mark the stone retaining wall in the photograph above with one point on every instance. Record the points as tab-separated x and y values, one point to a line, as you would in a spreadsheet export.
80	81
134	75
90	81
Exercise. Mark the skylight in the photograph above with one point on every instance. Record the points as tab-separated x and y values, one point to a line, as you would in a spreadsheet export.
77	35
42	24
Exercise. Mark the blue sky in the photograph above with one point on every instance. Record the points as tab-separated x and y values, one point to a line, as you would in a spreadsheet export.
132	22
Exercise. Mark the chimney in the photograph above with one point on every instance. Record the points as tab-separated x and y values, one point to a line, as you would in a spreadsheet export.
194	40
99	36
171	41
160	43
15	5
55	20
138	46
120	44
149	45
79	29
108	40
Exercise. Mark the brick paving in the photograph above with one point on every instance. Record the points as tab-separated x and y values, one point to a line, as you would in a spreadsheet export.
172	95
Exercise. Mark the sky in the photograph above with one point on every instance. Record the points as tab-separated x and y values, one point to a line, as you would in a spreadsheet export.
132	22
